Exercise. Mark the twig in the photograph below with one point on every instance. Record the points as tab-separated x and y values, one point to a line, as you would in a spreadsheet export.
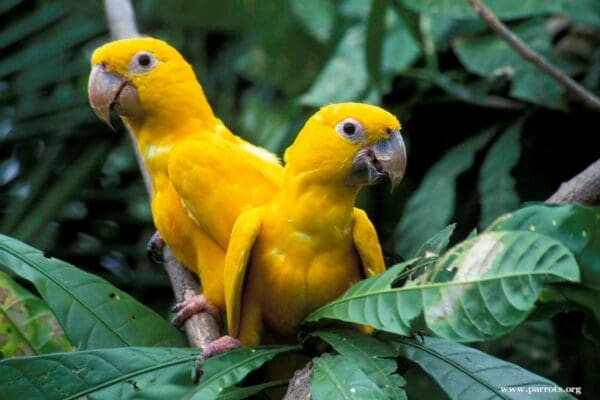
200	328
581	93
583	188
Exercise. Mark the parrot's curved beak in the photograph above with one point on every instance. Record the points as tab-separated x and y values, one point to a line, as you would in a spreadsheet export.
384	158
108	91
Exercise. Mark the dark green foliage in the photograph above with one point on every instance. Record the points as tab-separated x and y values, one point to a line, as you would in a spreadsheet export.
485	130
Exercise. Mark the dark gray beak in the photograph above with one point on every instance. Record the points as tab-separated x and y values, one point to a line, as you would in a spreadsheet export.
384	158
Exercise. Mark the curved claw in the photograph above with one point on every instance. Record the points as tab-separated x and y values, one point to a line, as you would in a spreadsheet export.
154	248
216	347
191	306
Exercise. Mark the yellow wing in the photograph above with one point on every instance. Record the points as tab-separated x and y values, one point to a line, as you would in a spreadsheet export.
219	177
367	244
244	234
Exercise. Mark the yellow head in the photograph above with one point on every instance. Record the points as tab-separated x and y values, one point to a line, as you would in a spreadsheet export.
352	143
144	78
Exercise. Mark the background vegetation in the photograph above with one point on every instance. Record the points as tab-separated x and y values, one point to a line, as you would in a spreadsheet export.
485	130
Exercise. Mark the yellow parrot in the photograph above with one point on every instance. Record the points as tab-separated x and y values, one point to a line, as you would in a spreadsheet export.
202	175
309	244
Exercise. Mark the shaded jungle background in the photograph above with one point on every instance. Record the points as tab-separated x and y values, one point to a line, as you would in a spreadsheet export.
485	130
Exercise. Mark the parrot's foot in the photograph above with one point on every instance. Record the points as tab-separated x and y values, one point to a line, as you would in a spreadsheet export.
194	305
154	248
216	347
219	346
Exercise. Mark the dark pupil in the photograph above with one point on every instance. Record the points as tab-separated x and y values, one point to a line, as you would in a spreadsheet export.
144	60
349	128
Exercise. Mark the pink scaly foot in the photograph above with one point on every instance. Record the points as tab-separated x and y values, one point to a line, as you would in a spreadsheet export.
219	346
191	306
216	347
154	248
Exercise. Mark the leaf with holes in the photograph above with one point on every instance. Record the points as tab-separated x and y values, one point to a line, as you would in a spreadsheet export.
468	374
93	313
479	290
576	226
27	326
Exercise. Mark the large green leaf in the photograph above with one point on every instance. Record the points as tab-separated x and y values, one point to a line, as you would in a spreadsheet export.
577	227
335	377
374	40
27	326
468	374
505	9
107	373
496	185
431	206
490	56
374	357
344	77
400	48
480	289
93	313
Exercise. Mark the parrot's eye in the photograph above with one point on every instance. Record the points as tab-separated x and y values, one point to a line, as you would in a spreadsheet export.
142	62
351	129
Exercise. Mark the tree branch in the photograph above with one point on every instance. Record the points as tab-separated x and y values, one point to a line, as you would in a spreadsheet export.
200	328
583	188
581	93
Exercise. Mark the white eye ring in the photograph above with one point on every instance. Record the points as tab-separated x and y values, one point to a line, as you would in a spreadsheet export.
350	129
142	61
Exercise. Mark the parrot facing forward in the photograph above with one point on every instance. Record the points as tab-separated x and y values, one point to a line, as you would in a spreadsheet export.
202	175
309	244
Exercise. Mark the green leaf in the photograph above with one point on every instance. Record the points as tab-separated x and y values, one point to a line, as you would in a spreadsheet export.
93	313
465	373
334	377
316	16
480	289
431	206
400	48
437	243
505	9
57	195
42	17
344	77
27	326
496	185
374	357
241	393
585	11
492	57
230	368
575	226
374	40
107	373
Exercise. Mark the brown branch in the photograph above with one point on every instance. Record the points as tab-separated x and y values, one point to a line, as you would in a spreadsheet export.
581	93
583	188
299	386
200	328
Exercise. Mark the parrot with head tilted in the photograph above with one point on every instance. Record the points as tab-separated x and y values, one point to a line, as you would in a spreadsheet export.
202	175
309	244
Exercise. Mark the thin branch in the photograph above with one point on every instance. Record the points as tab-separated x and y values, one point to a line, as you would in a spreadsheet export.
581	93
200	328
299	386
